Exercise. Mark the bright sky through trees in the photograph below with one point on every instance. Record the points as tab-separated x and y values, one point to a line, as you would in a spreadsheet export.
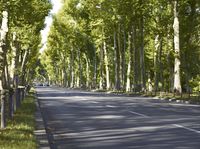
48	21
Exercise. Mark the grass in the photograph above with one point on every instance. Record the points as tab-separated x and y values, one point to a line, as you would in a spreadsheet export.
193	98
19	133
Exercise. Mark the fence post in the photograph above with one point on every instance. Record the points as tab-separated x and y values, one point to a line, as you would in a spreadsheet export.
3	109
17	98
11	103
23	92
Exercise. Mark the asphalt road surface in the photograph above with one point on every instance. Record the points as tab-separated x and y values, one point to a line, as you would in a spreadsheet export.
87	120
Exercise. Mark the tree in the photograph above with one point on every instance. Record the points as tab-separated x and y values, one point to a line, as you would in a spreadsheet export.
177	79
19	37
3	51
111	48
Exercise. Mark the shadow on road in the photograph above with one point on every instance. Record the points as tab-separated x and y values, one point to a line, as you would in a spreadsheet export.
81	120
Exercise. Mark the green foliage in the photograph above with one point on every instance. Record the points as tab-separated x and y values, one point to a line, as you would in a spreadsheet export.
85	25
26	20
195	83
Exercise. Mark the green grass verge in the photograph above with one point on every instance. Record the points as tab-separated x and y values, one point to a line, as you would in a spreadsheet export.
193	98
19	133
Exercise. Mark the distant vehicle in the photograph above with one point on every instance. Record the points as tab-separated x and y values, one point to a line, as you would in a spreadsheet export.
40	84
45	84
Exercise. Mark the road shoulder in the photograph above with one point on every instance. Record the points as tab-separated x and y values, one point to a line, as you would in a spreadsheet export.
40	131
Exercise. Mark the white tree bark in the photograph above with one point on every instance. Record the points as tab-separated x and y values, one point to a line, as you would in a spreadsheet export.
65	76
24	60
3	34
117	63
79	72
106	66
101	68
95	69
72	69
14	50
177	80
128	80
87	71
157	45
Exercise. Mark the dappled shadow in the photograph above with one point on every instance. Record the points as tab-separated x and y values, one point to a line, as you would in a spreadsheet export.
68	94
79	120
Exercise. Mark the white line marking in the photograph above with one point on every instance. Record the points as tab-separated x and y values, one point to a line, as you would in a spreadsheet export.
139	114
110	106
186	105
190	129
94	102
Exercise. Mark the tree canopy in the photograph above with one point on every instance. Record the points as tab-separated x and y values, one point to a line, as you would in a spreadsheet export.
20	39
125	45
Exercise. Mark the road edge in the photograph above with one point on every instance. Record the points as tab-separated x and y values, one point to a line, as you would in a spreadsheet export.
40	131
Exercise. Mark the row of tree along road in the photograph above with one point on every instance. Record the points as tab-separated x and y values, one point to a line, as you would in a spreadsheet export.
21	23
122	45
125	45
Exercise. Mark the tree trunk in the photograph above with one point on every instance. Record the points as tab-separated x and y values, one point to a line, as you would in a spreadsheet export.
95	69
119	51
142	63
77	82
79	72
177	80
64	74
117	63
10	93
72	69
187	57
106	66
3	109
135	59
128	79
14	50
161	79
23	67
15	68
156	73
3	50
64	69
101	68
87	72
123	60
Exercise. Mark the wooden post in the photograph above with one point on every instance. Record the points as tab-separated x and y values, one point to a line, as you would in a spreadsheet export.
3	109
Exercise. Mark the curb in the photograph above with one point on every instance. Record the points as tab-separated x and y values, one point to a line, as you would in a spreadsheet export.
40	131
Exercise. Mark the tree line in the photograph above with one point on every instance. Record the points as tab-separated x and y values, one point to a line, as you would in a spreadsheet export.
125	45
21	22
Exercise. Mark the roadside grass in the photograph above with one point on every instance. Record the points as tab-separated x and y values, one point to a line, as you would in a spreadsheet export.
19	133
192	98
184	97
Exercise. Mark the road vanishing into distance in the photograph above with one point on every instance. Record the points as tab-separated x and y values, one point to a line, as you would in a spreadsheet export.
89	120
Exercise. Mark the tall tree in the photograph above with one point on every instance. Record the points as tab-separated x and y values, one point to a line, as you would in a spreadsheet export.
177	63
3	51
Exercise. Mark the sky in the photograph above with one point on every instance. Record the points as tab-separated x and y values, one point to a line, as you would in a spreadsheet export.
48	21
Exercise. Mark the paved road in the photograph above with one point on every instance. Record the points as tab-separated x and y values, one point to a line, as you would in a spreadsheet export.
86	120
